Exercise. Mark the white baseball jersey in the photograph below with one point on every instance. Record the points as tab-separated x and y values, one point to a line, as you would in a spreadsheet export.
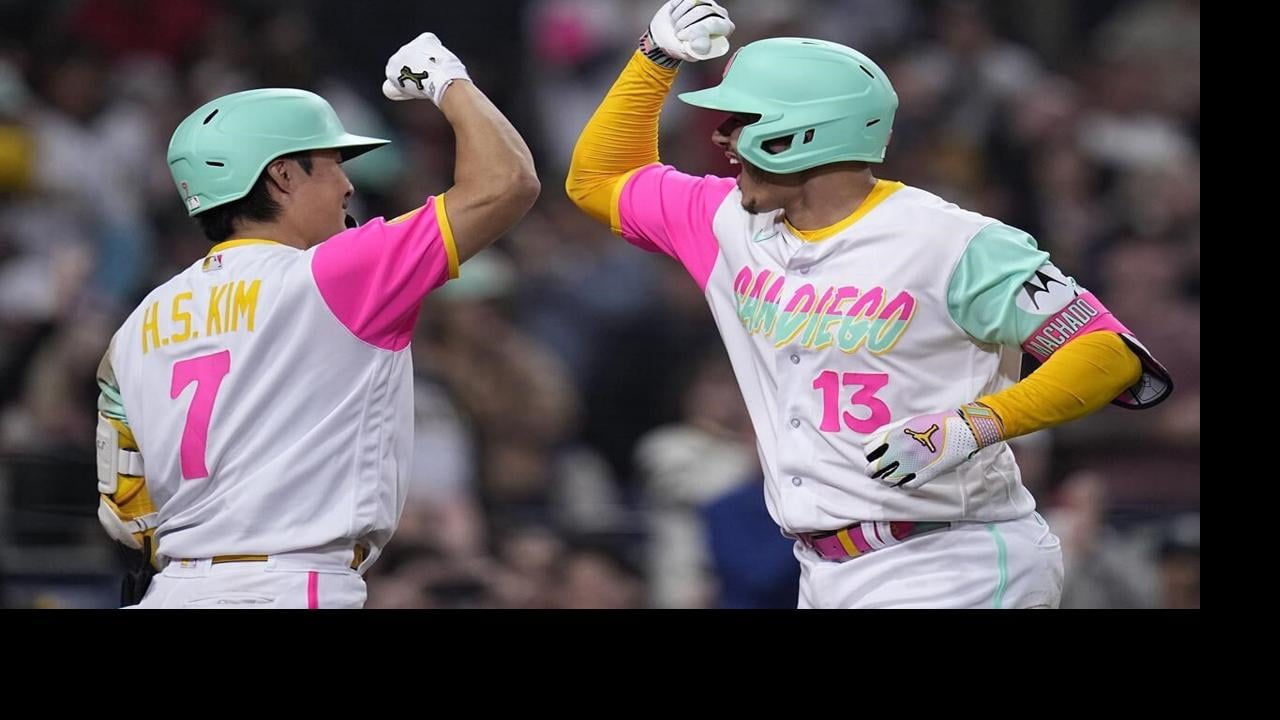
270	389
909	306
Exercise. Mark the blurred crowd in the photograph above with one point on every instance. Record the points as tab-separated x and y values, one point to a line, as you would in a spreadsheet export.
580	440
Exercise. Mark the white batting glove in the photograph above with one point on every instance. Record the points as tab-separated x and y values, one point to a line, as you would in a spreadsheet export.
926	446
690	30
422	70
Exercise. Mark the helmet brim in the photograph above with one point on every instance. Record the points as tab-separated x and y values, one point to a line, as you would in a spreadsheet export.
727	99
353	146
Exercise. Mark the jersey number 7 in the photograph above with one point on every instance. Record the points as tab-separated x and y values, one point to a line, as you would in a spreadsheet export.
207	372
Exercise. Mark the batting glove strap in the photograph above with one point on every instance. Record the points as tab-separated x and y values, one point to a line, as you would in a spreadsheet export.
650	49
984	423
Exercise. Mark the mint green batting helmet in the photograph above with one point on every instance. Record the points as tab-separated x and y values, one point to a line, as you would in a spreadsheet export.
832	101
217	153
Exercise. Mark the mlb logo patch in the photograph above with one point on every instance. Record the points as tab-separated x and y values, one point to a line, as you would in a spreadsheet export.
193	201
213	262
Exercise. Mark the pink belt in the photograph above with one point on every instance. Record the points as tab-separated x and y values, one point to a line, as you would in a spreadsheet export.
862	538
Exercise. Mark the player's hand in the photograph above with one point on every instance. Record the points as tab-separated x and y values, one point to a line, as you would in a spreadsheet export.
692	30
926	446
422	70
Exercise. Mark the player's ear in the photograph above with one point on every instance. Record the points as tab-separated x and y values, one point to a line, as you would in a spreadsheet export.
283	175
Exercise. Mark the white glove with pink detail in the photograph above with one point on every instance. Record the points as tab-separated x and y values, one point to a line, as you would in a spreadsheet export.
927	446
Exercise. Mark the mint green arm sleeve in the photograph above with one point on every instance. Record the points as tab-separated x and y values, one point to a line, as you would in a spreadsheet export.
1005	287
110	402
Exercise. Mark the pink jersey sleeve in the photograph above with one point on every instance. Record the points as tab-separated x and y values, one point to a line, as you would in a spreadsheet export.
374	277
663	210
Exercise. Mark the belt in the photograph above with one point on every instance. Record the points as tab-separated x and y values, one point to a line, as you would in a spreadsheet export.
359	555
861	538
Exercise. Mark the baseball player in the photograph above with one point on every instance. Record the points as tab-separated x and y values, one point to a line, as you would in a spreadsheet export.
876	330
256	410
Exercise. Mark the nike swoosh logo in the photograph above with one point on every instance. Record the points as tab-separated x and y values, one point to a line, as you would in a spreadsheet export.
758	238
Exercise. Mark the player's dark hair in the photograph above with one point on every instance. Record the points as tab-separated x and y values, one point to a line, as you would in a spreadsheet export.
219	223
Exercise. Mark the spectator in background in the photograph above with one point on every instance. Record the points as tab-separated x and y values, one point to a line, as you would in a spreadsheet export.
685	466
754	564
1104	568
1178	561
